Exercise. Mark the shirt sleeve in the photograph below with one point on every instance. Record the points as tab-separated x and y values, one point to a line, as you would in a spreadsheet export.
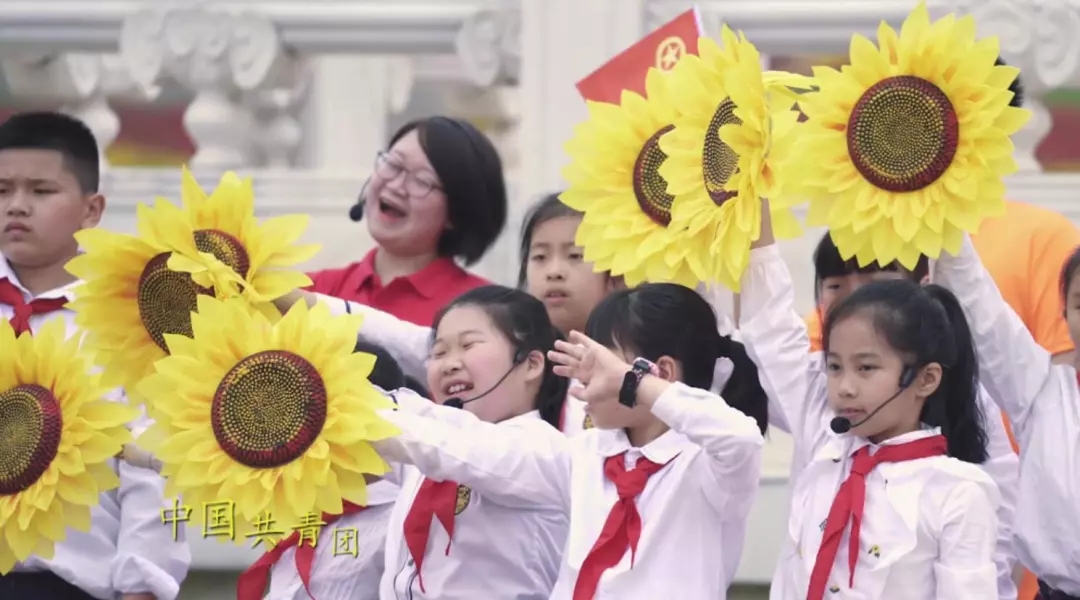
1045	319
148	558
1014	368
523	465
730	440
776	339
1003	466
406	342
965	564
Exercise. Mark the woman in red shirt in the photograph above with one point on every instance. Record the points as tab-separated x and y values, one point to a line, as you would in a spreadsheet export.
436	195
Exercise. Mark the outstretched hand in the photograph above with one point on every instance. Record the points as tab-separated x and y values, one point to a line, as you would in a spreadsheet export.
599	370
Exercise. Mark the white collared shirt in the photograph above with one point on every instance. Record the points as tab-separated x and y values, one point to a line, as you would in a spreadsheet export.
127	549
696	506
1043	402
930	526
348	556
493	534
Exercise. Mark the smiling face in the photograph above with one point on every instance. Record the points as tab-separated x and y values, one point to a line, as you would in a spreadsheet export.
469	356
406	210
558	275
42	206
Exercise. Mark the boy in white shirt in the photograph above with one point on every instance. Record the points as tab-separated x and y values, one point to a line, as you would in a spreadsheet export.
49	177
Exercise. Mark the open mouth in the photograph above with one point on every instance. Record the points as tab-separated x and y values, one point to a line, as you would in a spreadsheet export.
390	210
556	295
457	388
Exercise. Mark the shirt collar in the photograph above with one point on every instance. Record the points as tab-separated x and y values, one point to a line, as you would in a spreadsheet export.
843	445
66	291
428	282
660	451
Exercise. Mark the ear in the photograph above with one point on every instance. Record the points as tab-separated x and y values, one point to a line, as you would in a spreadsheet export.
669	369
534	366
928	380
95	207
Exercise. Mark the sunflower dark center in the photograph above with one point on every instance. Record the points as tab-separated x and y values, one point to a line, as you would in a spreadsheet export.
719	161
30	428
225	248
650	189
166	300
903	134
268	409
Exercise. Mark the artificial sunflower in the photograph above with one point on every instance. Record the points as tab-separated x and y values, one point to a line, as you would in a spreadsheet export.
57	433
730	141
276	416
906	147
138	289
614	179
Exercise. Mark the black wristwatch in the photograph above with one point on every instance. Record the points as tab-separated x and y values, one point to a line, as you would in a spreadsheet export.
639	369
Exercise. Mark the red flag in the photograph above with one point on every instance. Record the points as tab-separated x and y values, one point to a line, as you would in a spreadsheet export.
662	49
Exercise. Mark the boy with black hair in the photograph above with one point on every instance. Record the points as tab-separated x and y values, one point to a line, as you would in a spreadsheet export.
49	178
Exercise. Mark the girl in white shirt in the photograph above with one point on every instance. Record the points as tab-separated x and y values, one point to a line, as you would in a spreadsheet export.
669	472
1043	402
446	539
888	500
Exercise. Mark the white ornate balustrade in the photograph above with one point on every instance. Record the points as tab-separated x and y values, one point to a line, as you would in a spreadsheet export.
299	94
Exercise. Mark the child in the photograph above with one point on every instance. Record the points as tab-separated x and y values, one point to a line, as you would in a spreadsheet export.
450	541
553	267
436	195
1043	402
669	472
336	568
889	433
836	280
48	191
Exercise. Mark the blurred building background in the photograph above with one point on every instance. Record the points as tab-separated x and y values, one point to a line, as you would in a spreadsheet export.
301	94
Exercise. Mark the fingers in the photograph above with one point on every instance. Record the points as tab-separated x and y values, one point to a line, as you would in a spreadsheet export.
576	337
562	371
561	358
572	349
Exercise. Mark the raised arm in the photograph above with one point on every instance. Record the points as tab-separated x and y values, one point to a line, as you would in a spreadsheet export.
730	440
1014	369
776	339
521	464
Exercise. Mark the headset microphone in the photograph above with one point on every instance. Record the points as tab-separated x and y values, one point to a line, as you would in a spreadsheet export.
519	357
356	211
841	425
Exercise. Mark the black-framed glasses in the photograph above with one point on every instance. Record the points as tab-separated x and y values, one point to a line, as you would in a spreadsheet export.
387	168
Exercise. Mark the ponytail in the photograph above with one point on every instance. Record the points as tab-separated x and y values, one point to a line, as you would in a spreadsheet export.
743	390
955	406
665	319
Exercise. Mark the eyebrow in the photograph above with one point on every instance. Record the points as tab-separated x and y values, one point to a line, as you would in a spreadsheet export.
415	170
863	355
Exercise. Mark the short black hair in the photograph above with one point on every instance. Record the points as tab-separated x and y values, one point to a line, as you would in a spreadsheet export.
62	133
471	173
1016	87
548	208
387	372
829	263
